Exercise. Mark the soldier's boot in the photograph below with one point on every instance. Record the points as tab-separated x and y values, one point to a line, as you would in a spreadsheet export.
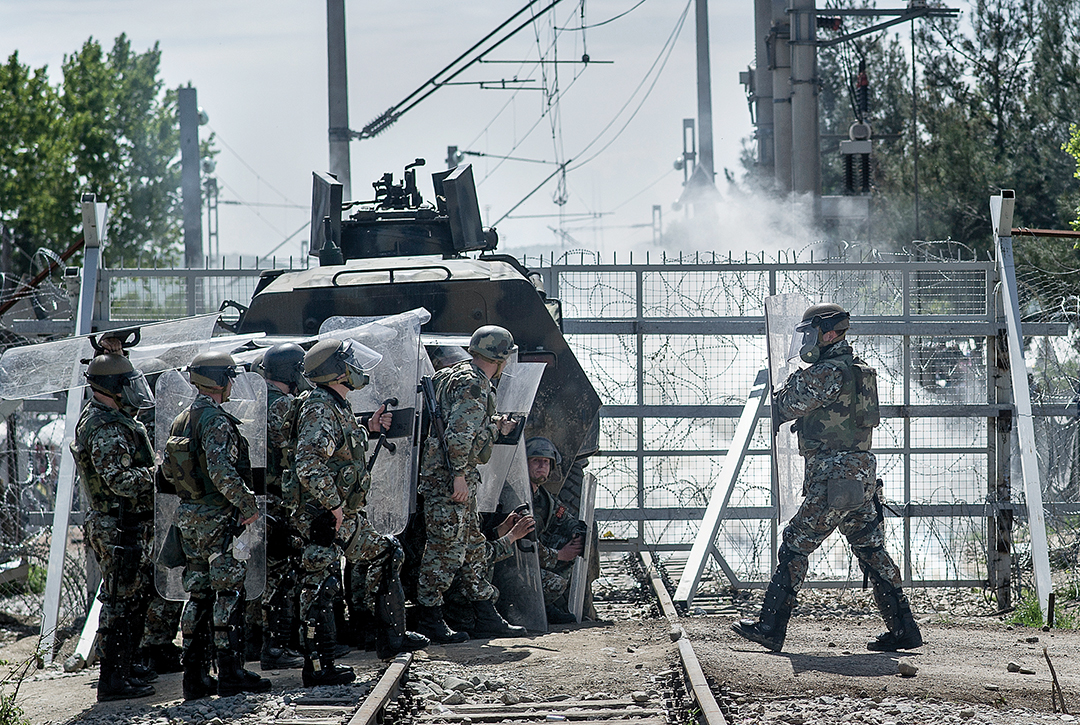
392	637
558	615
430	623
162	658
197	681
136	668
489	623
232	677
275	653
319	667
112	684
770	629
896	611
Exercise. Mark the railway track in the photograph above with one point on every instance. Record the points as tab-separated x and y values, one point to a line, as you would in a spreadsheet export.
388	702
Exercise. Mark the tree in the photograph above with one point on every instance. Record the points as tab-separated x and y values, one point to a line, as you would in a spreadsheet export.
1073	149
110	128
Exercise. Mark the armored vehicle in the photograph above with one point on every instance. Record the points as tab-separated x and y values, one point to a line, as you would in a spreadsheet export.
396	253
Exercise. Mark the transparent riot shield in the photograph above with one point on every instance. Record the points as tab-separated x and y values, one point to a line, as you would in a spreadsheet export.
521	592
248	403
50	367
395	383
514	397
581	579
782	313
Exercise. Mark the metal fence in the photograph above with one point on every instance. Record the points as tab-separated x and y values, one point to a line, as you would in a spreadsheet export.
673	348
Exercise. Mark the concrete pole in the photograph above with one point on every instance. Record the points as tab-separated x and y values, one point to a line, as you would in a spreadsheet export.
805	149
338	95
704	91
781	84
188	104
763	85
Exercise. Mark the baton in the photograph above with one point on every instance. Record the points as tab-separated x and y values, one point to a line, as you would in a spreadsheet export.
382	442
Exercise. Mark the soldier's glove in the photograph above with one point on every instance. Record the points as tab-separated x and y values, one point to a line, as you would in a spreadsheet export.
323	529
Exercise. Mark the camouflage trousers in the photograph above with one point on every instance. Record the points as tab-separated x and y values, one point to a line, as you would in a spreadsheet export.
454	543
282	562
814	521
162	621
555	585
212	573
370	549
124	578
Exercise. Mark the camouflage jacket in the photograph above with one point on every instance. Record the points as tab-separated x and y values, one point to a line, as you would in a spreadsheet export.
555	527
279	437
223	456
330	452
835	401
468	405
115	460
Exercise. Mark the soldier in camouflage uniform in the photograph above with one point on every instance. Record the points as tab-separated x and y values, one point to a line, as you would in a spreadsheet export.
834	402
216	502
282	366
159	651
454	541
561	538
115	461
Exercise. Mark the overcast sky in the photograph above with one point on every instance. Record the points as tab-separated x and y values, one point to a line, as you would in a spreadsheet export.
260	72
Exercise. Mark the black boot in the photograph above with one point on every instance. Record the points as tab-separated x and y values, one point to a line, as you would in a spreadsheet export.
771	627
112	684
392	637
489	623
163	658
275	653
558	615
319	668
234	679
430	623
896	611
196	658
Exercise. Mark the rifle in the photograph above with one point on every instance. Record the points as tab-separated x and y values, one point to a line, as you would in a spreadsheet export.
435	415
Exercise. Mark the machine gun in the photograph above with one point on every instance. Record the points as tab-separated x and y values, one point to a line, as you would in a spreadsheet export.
435	415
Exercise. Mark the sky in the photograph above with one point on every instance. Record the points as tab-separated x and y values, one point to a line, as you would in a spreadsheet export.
260	70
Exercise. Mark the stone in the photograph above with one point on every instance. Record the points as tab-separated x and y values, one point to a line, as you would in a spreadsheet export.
454	698
450	682
991	687
509	698
640	696
906	669
1027	671
675	633
74	663
967	713
1013	667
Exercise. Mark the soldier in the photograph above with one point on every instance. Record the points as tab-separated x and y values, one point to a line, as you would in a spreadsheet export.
159	651
454	540
334	482
115	461
835	404
561	537
282	366
207	461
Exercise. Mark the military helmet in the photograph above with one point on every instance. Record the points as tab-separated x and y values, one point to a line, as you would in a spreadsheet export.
826	316
540	447
284	363
113	375
493	343
329	359
212	370
152	368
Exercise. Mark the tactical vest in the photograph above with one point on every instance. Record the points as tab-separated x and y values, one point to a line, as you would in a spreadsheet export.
347	464
276	462
184	462
846	424
94	417
484	443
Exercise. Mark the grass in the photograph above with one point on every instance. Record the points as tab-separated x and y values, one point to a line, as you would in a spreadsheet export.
1028	613
10	712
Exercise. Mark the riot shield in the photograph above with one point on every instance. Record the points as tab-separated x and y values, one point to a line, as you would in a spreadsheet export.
50	367
393	457
514	397
579	580
248	403
521	591
782	313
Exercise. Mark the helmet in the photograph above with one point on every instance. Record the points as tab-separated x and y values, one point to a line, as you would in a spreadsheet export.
443	356
152	368
818	319
285	364
493	343
330	359
540	447
212	370
115	377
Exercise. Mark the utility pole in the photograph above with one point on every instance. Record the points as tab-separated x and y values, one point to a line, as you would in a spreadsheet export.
704	91
338	95
781	85
806	141
188	104
761	87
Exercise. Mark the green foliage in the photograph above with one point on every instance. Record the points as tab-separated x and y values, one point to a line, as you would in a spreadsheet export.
109	128
35	580
1027	613
10	711
1072	147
